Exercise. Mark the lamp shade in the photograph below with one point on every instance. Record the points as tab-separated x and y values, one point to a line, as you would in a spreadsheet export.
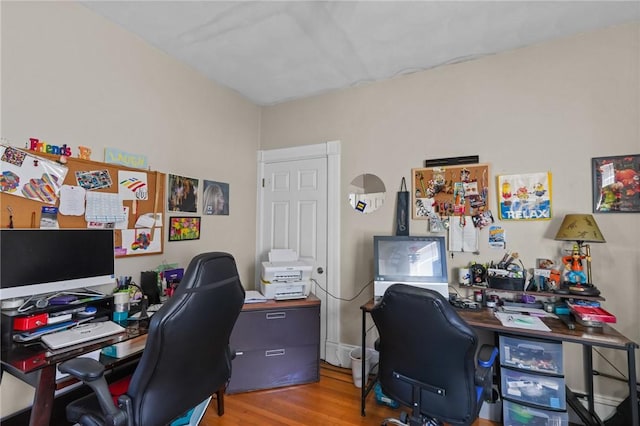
580	227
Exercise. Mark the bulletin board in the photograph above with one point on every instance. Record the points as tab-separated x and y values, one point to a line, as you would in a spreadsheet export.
98	179
450	190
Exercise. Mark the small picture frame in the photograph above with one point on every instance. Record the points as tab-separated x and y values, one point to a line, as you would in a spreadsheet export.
184	228
616	184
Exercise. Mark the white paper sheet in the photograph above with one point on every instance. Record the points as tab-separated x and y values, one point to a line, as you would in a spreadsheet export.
463	236
72	200
521	321
104	207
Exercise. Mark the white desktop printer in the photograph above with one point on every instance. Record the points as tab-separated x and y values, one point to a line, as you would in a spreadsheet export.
285	276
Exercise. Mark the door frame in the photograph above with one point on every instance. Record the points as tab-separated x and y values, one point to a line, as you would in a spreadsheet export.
331	151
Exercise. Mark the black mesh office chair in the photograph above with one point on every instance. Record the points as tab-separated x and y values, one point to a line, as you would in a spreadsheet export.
427	358
186	358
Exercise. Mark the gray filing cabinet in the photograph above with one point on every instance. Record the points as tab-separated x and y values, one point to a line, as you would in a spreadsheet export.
277	344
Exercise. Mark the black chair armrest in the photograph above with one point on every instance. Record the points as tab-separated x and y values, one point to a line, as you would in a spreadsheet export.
91	373
484	371
85	369
487	355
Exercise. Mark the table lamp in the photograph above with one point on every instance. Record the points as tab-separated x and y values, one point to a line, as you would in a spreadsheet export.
581	228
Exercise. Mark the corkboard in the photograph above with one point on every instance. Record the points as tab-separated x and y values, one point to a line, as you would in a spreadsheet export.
27	212
441	190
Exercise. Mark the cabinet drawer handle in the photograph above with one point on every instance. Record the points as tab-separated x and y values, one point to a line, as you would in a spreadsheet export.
276	315
274	352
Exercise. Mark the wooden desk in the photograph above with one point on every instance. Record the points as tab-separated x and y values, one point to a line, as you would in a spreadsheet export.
588	337
36	365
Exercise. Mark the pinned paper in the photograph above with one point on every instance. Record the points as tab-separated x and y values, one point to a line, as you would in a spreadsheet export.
463	235
104	207
72	200
133	185
146	221
29	176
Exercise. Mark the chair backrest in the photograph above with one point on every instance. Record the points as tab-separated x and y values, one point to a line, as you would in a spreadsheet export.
187	357
424	341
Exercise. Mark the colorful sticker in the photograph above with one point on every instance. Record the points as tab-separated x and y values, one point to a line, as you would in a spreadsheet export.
13	156
96	179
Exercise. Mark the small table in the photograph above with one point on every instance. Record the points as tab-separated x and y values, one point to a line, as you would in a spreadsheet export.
588	337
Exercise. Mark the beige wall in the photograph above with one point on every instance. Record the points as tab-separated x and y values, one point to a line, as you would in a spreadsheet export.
550	107
69	76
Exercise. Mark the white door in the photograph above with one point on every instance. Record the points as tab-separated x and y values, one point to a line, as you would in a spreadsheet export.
295	202
295	210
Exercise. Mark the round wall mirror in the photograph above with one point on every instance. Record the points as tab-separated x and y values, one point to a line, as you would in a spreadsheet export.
366	193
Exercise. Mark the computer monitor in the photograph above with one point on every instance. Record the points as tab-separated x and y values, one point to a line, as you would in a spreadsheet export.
420	261
38	261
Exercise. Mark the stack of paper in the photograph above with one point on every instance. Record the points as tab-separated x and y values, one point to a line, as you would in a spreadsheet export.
252	296
521	321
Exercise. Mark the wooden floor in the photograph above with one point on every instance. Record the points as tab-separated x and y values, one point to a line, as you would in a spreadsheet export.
332	401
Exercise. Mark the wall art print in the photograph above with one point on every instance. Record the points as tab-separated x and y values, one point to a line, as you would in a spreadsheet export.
183	228
524	196
183	194
616	184
215	198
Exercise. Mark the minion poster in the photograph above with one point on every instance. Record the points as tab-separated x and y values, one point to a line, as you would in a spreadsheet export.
525	196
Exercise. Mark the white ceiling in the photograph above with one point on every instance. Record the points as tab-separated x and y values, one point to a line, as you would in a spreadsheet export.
272	52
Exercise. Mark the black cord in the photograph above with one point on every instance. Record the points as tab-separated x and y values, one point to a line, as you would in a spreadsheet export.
339	298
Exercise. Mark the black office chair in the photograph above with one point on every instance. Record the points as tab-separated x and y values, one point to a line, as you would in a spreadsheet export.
427	358
186	358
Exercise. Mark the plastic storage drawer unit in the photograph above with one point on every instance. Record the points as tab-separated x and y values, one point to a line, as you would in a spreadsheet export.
531	354
543	391
519	415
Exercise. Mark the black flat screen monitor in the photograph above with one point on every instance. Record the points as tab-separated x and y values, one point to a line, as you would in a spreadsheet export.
38	261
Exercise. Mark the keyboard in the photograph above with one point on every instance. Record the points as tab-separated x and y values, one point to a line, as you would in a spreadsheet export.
154	307
81	333
151	309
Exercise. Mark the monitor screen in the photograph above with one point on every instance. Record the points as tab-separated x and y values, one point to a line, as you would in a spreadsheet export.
37	261
417	260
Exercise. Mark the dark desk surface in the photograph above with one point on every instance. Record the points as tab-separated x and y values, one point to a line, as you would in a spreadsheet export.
605	336
29	357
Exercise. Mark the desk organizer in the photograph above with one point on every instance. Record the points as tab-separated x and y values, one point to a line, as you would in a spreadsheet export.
591	313
506	283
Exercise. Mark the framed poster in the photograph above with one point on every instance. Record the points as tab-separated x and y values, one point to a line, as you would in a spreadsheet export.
616	184
182	228
183	194
524	196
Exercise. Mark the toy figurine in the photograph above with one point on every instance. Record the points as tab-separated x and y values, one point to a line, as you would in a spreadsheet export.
573	264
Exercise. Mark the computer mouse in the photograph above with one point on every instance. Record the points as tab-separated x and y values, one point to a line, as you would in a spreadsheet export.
88	311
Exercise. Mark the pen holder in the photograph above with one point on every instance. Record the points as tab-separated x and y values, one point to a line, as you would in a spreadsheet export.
120	306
